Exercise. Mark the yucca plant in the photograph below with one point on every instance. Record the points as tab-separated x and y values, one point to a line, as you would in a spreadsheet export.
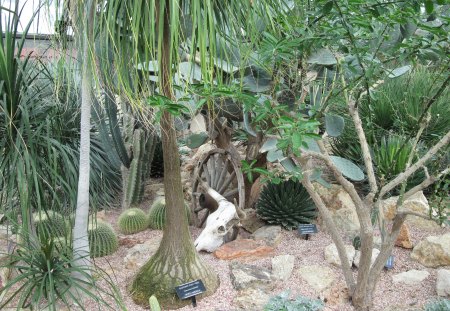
287	204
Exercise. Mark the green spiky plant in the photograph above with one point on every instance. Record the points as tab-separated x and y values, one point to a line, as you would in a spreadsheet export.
49	224
102	239
157	214
132	220
287	204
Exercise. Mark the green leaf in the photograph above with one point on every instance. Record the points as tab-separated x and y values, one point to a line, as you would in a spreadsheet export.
297	140
289	165
270	144
348	168
327	7
274	155
334	125
429	6
322	57
397	72
196	140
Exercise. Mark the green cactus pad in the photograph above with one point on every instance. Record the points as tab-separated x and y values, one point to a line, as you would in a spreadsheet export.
287	204
49	224
102	239
132	220
157	214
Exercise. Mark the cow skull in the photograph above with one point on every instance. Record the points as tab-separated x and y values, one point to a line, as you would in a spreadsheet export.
220	225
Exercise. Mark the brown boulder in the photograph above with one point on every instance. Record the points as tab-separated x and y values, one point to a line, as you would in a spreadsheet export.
245	249
404	238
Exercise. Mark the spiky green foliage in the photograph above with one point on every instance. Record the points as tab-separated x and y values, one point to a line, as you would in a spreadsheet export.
49	224
438	305
157	170
287	204
102	239
132	220
157	214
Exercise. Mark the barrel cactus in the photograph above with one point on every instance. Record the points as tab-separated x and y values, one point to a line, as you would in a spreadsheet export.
49	224
157	214
287	204
102	239
132	220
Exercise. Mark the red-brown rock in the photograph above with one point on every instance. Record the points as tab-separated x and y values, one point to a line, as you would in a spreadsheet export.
245	249
404	238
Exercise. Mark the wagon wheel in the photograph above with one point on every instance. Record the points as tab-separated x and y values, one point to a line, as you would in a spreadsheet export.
221	170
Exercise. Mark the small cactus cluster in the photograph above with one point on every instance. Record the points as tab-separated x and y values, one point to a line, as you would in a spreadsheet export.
157	214
287	204
132	220
102	239
49	224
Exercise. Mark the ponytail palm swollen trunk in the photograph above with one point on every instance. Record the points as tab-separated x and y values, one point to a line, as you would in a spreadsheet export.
142	38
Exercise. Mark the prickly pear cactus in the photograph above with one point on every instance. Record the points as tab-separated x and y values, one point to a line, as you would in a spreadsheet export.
157	214
102	239
132	220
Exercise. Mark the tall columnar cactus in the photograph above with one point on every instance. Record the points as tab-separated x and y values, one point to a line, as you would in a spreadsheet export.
102	239
158	161
287	204
157	214
49	224
132	220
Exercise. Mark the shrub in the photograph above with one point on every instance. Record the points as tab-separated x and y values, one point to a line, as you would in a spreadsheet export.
132	220
282	302
102	239
157	214
287	204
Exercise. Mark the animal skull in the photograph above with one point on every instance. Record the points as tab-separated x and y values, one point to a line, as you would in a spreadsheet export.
220	225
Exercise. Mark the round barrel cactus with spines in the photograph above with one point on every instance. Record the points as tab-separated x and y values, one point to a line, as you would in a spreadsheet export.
102	239
49	224
157	214
287	204
132	220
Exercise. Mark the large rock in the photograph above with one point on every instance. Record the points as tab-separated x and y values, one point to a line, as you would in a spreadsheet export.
332	256
138	255
342	209
198	124
443	283
375	253
282	267
404	237
252	299
252	222
246	276
318	277
433	252
245	249
269	234
411	277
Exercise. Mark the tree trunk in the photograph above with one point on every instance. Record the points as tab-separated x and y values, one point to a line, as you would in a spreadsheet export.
80	234
176	261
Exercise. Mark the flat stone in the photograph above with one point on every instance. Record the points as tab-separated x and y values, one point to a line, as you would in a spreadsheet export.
375	253
252	222
417	203
332	256
433	251
269	234
443	283
318	277
245	249
282	267
404	238
246	276
411	277
138	255
251	299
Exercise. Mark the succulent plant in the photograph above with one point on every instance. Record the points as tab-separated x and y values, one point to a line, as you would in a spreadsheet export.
132	220
157	214
102	239
158	161
287	204
49	224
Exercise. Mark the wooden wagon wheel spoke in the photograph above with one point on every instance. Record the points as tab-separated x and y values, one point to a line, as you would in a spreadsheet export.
221	170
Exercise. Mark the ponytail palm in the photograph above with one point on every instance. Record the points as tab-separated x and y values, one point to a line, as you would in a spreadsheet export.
142	38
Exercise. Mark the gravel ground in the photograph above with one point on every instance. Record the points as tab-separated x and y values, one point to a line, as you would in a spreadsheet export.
388	296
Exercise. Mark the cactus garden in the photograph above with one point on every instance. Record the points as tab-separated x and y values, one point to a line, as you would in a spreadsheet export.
205	155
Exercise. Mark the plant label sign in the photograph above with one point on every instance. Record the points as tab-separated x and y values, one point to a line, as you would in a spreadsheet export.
190	290
306	229
389	263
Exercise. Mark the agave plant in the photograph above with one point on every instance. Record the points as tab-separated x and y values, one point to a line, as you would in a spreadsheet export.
287	204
